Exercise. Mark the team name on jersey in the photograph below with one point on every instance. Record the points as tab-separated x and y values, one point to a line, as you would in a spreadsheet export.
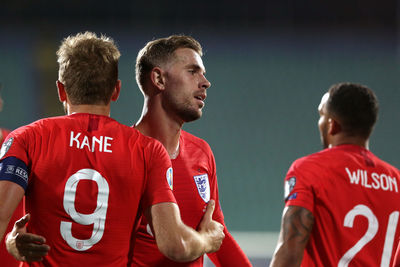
374	180
92	143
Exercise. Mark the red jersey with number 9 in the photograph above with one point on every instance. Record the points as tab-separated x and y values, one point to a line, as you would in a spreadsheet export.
90	177
354	197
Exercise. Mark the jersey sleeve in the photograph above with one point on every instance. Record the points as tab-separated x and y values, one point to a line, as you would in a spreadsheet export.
15	146
299	185
217	215
158	173
14	159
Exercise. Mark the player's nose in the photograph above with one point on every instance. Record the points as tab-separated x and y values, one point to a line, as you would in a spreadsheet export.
205	84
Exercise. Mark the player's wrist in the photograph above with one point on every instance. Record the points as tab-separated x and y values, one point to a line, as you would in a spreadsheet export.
208	242
11	246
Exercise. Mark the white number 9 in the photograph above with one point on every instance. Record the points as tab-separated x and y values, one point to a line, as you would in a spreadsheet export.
97	218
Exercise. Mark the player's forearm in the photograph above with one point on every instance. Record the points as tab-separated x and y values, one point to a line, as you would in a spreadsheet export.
179	242
10	195
174	239
3	227
188	246
286	257
295	232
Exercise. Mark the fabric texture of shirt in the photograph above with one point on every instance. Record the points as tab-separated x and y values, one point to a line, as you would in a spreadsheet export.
194	184
90	178
354	198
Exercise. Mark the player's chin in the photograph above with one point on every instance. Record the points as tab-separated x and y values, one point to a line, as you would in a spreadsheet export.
193	115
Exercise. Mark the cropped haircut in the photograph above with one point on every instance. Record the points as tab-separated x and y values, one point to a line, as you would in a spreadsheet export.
355	106
88	68
160	51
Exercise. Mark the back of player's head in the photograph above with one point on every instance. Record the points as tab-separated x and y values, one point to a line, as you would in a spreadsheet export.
88	68
160	51
355	106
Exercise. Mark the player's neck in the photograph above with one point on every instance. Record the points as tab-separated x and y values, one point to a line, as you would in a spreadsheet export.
156	123
350	140
91	109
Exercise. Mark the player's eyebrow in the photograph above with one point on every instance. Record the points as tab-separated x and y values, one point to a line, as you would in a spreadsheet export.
196	67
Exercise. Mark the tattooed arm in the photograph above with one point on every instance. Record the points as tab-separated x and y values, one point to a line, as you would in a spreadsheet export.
296	227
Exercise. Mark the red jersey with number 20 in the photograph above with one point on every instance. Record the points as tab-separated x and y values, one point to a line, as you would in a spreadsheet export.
90	177
354	197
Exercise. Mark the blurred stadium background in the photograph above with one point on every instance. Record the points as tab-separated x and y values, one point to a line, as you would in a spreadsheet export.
269	63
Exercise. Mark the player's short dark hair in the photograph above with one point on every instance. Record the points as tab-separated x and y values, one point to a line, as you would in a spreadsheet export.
160	51
88	68
355	106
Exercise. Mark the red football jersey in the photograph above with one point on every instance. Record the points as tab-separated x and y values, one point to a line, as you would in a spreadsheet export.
90	177
194	184
354	197
5	258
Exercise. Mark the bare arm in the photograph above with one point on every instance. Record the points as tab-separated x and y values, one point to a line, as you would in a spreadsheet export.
180	242
10	196
297	223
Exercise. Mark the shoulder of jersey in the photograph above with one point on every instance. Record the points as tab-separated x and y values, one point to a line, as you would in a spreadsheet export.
37	124
314	158
189	138
145	140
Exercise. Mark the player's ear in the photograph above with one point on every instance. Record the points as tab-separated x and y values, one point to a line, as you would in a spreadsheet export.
117	91
62	95
334	126
157	78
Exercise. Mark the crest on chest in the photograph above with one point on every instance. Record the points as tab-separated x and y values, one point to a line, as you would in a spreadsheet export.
203	186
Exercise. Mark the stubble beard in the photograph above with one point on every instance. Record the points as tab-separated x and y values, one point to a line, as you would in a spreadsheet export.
184	110
188	114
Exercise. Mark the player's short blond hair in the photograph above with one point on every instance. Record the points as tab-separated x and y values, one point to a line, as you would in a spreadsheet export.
88	68
160	51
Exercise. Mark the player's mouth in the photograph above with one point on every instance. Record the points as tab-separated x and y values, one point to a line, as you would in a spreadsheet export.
201	98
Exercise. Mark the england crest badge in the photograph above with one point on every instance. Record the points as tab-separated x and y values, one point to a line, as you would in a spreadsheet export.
203	186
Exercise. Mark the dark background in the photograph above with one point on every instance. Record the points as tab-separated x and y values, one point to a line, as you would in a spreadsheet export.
269	63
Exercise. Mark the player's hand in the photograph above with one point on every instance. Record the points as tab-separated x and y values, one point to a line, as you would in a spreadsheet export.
25	246
212	230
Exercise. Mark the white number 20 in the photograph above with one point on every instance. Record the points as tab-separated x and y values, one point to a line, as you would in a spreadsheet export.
373	226
97	218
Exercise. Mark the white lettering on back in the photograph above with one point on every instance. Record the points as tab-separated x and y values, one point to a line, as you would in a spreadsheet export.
85	142
107	144
354	178
91	143
99	142
72	139
374	181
